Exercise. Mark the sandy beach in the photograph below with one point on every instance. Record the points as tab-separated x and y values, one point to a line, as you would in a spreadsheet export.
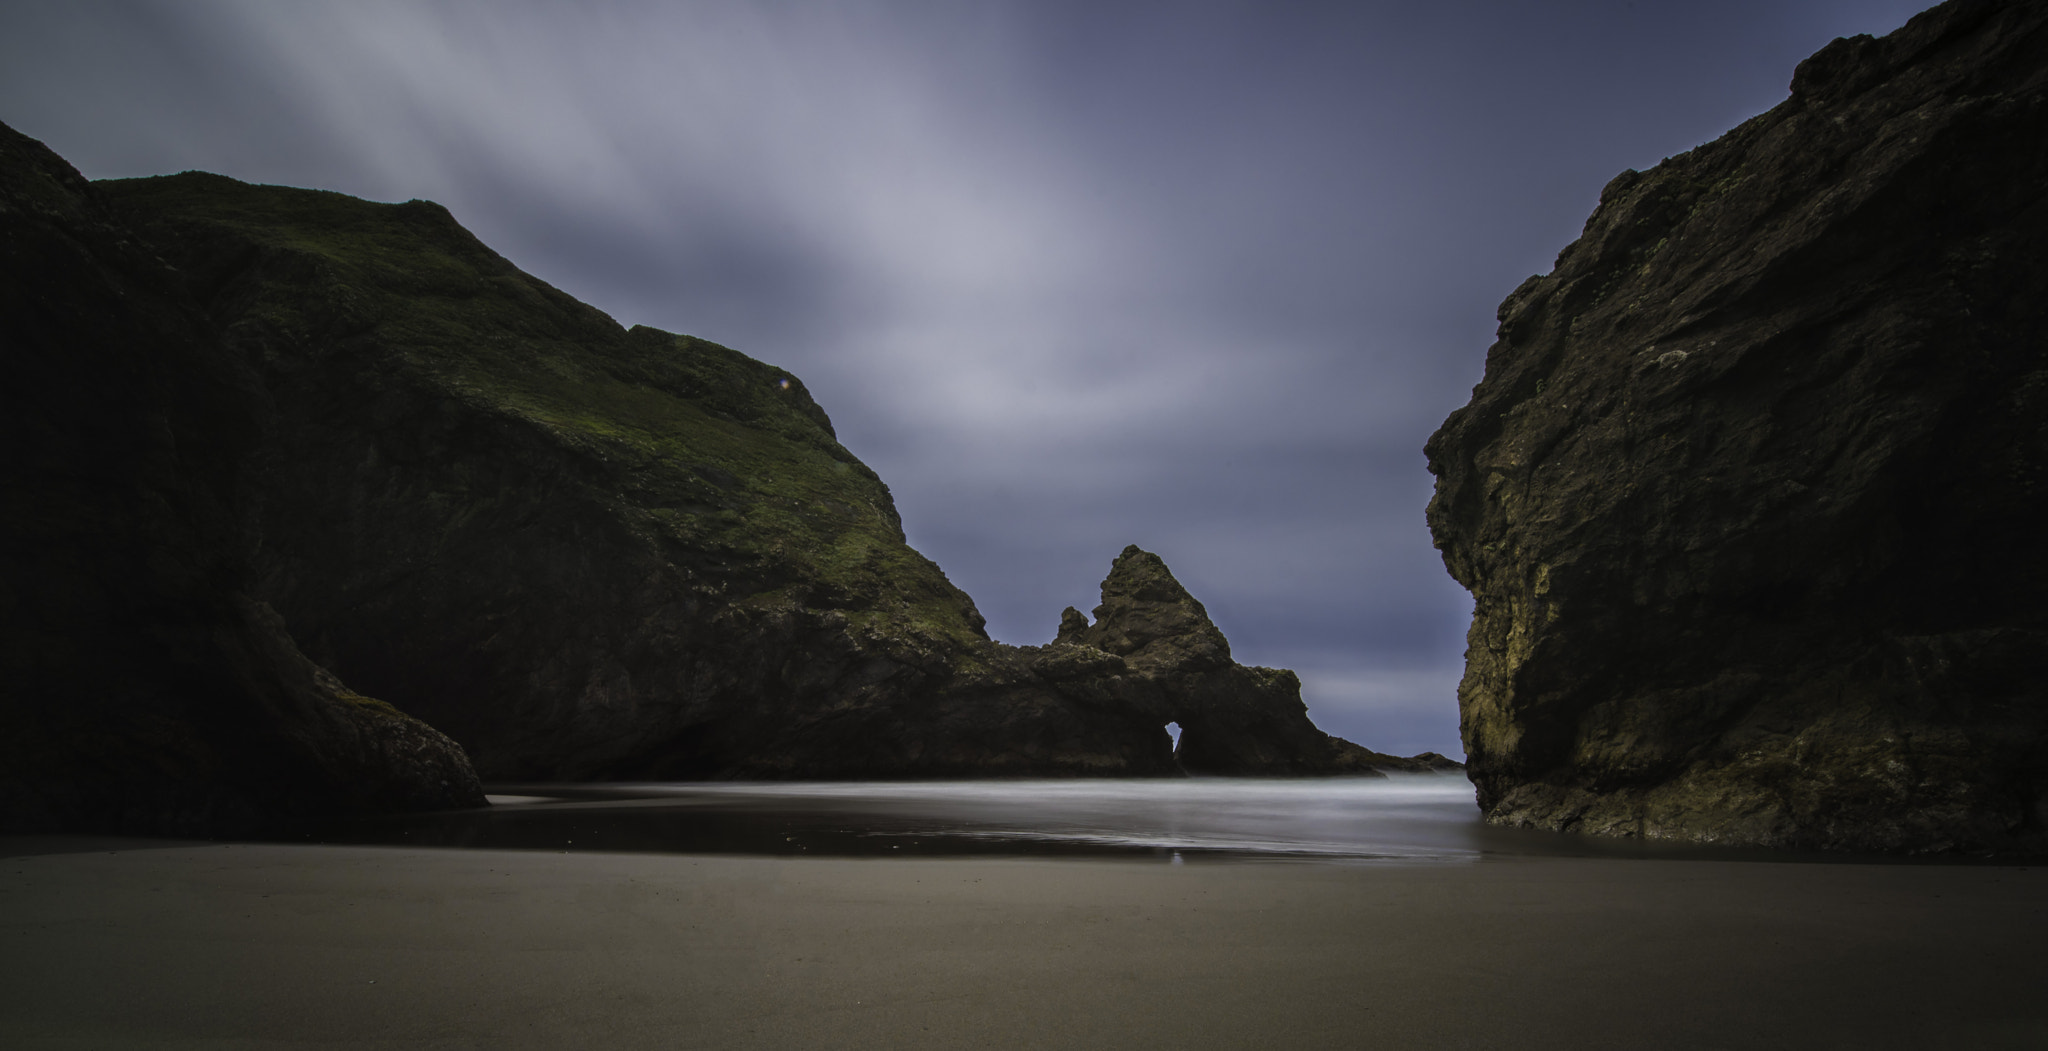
134	943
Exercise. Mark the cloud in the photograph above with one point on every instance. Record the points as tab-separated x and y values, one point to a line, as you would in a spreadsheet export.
1398	711
1198	276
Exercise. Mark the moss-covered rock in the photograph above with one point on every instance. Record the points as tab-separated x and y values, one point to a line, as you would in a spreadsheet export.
1750	495
584	551
592	552
141	689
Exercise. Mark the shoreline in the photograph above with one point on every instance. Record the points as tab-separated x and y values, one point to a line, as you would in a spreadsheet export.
269	945
1405	815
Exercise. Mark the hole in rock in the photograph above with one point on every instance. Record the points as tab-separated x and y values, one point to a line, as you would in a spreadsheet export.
1173	731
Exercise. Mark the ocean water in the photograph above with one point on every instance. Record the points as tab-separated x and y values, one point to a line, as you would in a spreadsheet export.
1404	817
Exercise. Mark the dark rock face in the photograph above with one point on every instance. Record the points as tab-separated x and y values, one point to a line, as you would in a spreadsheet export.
1170	663
582	551
144	691
587	552
1749	498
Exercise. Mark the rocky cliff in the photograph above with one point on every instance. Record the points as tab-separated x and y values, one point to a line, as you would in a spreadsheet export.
582	551
144	690
588	552
1749	499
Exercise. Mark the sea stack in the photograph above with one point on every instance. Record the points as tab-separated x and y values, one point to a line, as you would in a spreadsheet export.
1174	665
1750	497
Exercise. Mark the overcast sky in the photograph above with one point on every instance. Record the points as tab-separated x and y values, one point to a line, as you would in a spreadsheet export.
1070	276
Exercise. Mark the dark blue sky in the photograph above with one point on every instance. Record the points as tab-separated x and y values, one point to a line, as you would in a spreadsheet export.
1200	277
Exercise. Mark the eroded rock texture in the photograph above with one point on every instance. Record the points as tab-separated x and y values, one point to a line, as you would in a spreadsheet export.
1750	497
588	552
141	689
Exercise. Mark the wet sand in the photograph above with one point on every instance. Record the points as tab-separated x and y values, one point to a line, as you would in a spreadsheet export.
129	943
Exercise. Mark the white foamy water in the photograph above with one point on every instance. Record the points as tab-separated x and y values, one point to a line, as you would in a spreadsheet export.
1403	817
1418	816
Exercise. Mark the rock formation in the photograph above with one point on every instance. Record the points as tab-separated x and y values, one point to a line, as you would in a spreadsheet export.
144	690
588	552
1749	497
580	550
1171	664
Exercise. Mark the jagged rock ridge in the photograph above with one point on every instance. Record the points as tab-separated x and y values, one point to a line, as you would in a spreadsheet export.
1749	497
1176	667
144	690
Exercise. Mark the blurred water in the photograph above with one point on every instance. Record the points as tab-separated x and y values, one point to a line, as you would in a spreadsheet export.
1415	816
1419	817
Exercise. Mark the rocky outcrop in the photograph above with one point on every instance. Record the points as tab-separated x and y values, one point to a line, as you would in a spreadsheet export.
588	552
582	551
1168	661
1749	497
141	689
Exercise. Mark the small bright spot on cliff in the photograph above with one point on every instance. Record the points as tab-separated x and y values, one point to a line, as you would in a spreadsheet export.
783	383
1173	731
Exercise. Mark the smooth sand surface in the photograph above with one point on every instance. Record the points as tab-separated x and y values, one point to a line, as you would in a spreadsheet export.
261	946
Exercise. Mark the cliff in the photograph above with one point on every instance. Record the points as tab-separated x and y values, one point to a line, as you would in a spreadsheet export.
582	551
589	552
1749	498
144	690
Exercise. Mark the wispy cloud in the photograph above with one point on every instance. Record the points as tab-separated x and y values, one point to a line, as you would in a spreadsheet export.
1199	276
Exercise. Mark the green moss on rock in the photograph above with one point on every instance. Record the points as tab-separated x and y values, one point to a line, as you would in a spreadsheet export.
587	551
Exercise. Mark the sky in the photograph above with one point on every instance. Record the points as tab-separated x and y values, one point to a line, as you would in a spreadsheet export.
1201	277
